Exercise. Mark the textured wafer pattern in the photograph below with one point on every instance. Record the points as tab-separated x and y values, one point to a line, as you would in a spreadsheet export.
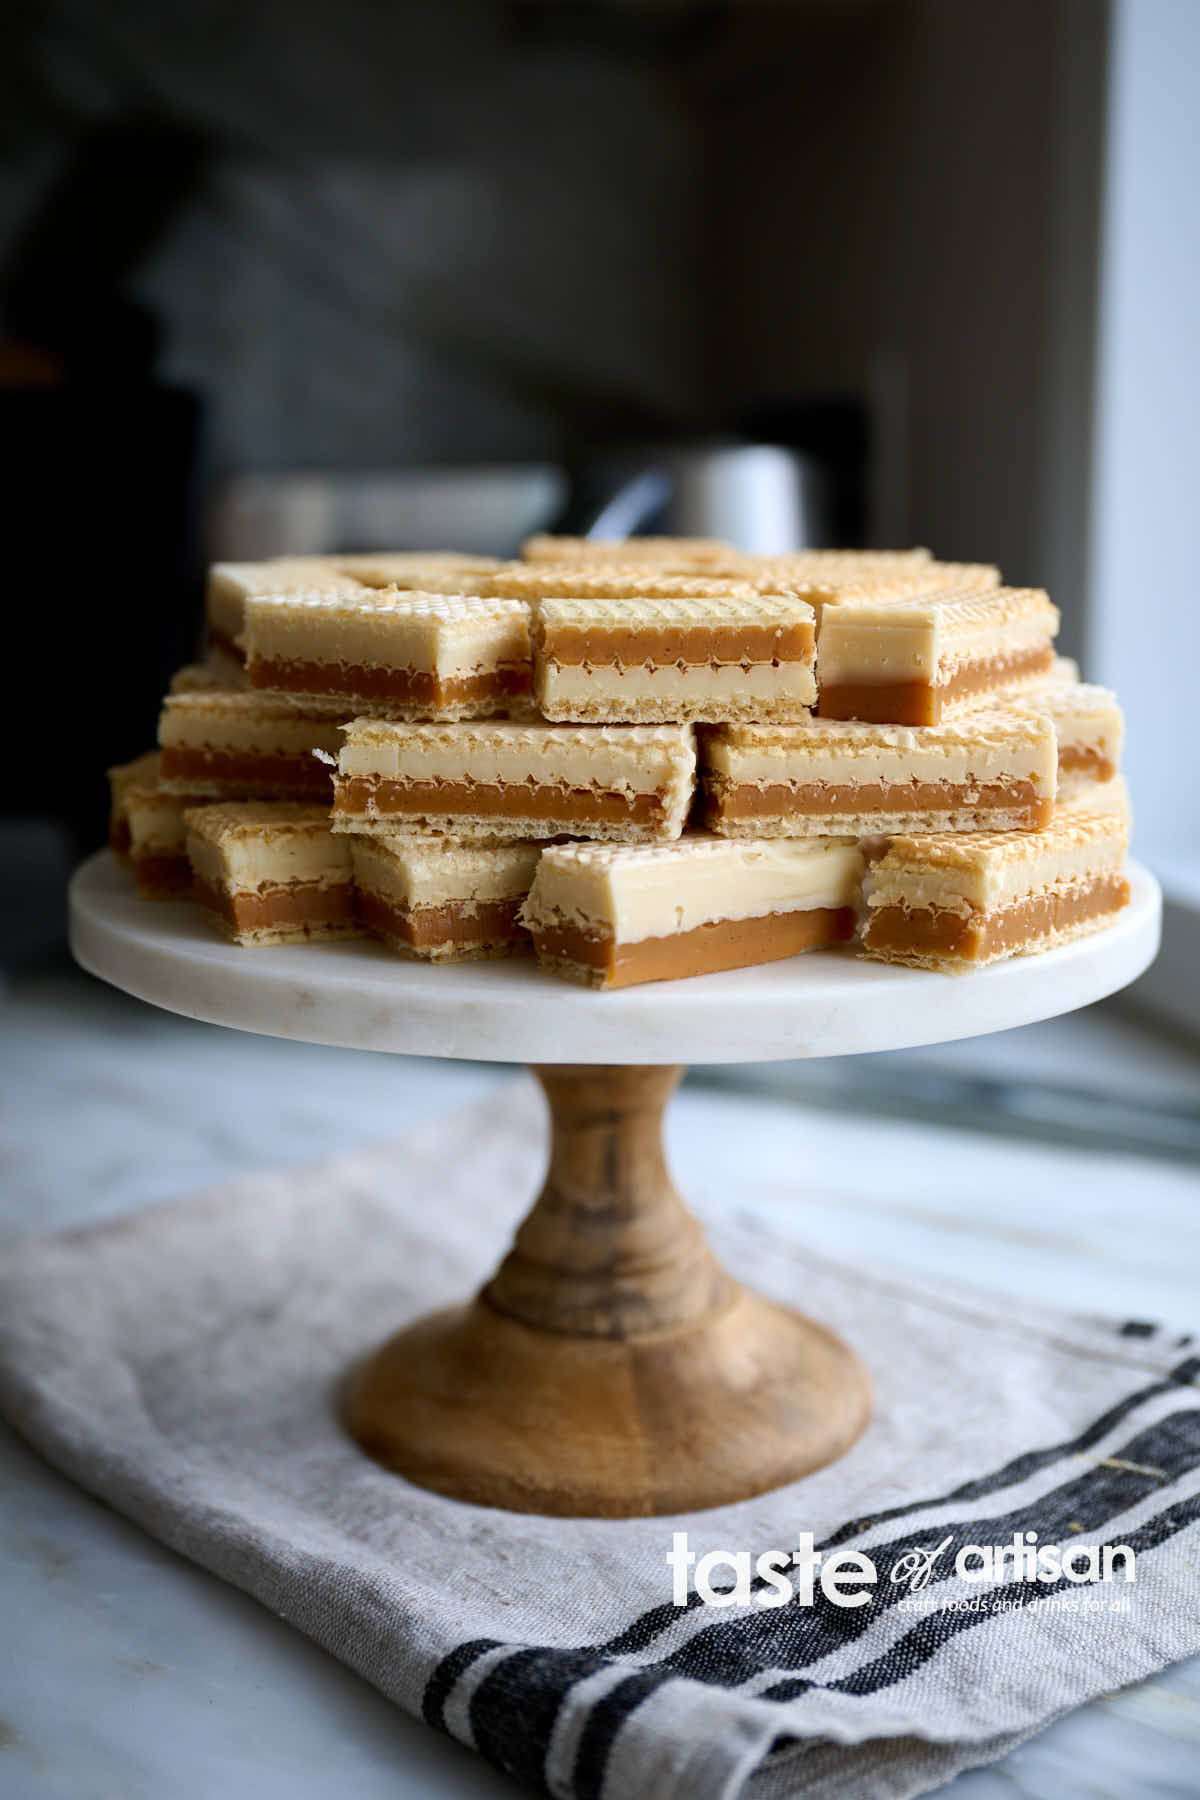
993	769
607	782
694	657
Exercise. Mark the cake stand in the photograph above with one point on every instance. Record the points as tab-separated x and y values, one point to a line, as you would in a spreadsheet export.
610	1367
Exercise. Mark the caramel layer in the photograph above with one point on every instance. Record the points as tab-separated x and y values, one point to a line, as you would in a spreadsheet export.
932	931
921	702
163	875
370	681
571	645
271	909
1073	758
353	794
119	838
747	800
300	773
454	922
720	944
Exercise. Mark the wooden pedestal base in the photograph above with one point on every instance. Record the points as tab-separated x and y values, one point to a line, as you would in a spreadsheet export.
610	1368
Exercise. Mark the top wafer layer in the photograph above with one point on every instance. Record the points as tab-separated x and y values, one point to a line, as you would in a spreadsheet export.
707	657
907	660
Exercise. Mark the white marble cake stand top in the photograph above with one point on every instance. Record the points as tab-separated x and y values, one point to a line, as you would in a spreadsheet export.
359	995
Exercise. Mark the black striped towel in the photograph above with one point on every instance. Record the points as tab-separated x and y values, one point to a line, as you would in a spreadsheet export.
184	1364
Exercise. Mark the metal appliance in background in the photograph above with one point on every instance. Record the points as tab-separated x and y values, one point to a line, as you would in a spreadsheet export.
760	497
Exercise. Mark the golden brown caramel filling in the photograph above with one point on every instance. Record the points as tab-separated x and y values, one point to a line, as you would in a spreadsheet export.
720	944
698	644
453	922
163	875
370	681
921	702
354	795
972	937
255	773
273	909
1083	759
747	800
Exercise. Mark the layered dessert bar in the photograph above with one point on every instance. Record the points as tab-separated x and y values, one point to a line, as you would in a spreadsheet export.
505	780
232	584
143	771
912	660
687	658
610	916
248	746
441	899
413	568
393	651
272	872
1089	724
958	902
993	769
664	552
158	841
615	581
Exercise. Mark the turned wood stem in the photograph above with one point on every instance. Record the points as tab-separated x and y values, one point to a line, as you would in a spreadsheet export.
609	1249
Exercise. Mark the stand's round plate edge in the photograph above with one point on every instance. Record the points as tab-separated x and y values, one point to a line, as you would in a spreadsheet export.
359	996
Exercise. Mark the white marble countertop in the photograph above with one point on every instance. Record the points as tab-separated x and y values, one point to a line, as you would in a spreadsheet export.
126	1674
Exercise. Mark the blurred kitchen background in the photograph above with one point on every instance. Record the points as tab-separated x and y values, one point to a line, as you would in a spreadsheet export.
283	276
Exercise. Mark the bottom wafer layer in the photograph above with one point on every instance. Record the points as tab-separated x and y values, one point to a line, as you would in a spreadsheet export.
597	960
936	938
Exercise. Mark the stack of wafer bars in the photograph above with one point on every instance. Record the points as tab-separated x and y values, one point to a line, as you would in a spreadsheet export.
642	760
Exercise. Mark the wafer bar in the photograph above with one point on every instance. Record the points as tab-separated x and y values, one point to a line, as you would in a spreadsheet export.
993	769
686	658
158	840
957	902
272	872
665	552
1089	724
232	584
612	916
443	900
142	771
395	652
248	746
505	780
913	660
612	581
